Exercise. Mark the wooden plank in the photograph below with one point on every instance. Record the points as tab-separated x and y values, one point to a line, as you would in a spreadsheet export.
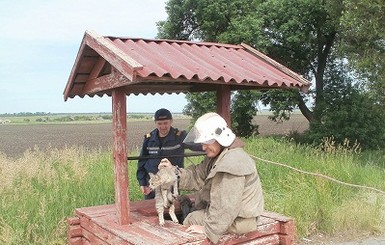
97	69
86	64
103	83
276	216
96	211
97	231
119	121
117	58
170	233
78	59
73	221
287	233
273	228
263	231
266	240
93	239
76	241
74	231
147	231
173	233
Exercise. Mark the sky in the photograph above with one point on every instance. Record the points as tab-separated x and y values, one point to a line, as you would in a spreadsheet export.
39	41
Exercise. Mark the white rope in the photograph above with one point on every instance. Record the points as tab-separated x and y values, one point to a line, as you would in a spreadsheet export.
319	175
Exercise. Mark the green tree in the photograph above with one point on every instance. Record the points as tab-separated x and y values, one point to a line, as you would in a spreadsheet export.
363	35
309	36
199	103
348	113
243	109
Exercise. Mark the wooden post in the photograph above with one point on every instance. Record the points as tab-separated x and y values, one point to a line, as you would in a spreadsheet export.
119	121
223	103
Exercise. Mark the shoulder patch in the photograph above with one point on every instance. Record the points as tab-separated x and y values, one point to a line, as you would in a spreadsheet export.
178	133
147	135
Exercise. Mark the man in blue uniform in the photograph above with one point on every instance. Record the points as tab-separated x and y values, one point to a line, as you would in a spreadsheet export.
164	140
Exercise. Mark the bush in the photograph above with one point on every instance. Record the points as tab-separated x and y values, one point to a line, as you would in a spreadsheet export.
349	114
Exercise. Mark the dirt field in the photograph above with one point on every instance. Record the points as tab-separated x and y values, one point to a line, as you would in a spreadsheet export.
16	139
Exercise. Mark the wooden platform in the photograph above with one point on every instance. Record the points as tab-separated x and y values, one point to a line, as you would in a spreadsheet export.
99	225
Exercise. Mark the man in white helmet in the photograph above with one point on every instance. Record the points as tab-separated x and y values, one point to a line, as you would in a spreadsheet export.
229	194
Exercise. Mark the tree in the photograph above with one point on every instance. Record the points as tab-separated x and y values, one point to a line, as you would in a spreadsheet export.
243	109
348	113
199	103
309	36
363	44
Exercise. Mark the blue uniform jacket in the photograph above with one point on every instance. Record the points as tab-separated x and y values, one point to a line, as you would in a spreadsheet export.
172	145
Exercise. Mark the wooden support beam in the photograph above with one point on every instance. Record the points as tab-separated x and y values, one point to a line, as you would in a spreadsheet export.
113	80
223	102
97	69
119	122
117	58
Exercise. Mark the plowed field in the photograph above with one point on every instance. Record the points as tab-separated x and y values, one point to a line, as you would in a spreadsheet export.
16	139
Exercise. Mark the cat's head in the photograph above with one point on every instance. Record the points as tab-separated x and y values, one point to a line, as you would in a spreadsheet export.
154	181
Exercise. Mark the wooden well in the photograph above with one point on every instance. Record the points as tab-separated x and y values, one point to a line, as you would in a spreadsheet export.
118	67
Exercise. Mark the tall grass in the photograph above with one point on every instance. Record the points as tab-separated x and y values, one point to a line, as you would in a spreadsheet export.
41	189
318	204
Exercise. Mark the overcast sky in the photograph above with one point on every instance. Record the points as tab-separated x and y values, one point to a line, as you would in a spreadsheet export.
39	41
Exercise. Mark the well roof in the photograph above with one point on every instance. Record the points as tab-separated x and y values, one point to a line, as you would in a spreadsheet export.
144	66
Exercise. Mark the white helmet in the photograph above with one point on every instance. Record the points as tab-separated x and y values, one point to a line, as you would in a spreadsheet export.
208	128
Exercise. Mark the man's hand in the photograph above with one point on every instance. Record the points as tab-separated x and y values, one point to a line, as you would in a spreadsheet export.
145	190
164	163
196	229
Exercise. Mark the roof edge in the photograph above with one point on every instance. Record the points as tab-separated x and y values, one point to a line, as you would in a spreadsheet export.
306	83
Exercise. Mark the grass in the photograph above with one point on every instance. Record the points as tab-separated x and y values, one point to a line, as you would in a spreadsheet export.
41	189
318	204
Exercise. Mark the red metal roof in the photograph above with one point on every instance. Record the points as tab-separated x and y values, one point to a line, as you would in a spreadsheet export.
172	66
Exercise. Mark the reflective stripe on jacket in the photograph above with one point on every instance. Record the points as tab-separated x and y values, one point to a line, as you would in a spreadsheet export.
171	145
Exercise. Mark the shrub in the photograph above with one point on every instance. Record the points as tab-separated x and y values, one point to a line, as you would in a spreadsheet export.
351	115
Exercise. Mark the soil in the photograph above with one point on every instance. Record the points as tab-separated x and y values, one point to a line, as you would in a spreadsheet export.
16	139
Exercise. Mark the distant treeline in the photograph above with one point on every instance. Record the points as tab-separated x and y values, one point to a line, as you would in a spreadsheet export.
24	114
30	114
42	117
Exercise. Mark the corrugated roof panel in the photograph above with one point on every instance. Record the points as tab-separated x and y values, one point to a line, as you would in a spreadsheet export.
153	66
161	58
203	63
255	65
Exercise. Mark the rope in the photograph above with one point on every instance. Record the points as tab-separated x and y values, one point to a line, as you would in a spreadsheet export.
320	175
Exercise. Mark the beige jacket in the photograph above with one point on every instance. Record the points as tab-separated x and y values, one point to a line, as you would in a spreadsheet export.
227	186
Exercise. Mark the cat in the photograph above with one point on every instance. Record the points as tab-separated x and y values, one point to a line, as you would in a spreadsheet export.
165	184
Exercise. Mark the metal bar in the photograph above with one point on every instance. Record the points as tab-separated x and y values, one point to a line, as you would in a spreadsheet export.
167	156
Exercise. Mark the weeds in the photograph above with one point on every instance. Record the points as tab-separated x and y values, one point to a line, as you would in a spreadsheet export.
317	204
41	189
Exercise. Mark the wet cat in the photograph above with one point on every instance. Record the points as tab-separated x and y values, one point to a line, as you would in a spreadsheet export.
165	184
